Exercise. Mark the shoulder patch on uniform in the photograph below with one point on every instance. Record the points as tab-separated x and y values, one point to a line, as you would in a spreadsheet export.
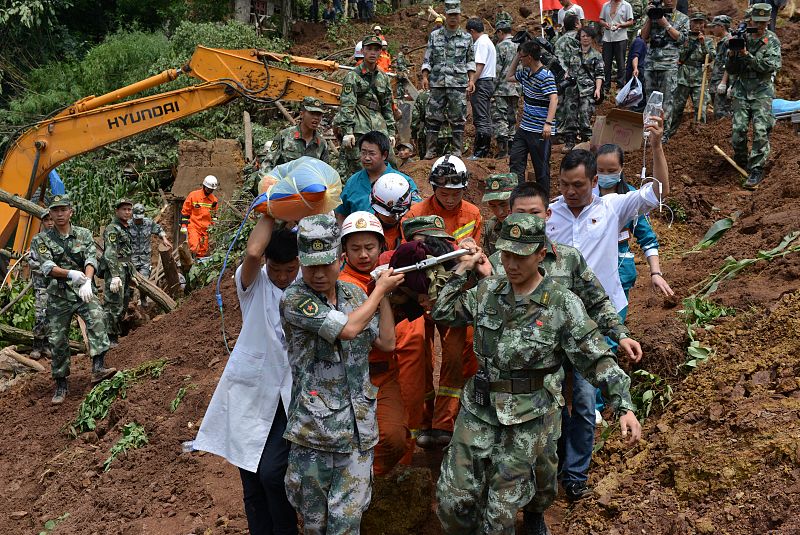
42	248
112	237
309	307
347	88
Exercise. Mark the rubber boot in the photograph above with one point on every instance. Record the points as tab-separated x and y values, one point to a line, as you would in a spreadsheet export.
458	143
534	524
99	371
569	143
502	148
61	391
431	138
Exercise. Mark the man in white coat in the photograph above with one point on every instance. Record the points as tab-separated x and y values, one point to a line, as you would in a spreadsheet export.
246	418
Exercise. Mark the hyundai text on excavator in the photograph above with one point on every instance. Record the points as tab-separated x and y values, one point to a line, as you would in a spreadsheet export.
93	122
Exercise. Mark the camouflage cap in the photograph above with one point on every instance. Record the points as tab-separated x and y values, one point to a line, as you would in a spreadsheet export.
312	104
697	15
761	12
498	187
60	200
452	7
427	225
721	20
522	234
122	201
503	21
318	240
138	211
371	39
748	14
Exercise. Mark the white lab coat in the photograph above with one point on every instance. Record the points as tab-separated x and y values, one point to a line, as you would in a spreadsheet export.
256	377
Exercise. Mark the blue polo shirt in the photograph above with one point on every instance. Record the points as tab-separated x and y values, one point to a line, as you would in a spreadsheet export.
356	193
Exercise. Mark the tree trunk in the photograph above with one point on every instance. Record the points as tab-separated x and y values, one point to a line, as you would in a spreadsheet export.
21	336
155	293
23	204
170	271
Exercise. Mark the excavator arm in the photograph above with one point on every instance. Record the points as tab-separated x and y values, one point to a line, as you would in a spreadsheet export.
94	122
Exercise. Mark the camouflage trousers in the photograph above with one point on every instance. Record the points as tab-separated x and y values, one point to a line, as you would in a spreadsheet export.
350	161
59	314
329	490
115	305
490	472
446	104
722	105
40	327
504	116
682	94
143	266
667	83
576	115
759	112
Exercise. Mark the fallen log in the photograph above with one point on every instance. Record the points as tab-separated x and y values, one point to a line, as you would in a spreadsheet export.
17	336
155	293
11	352
22	203
170	269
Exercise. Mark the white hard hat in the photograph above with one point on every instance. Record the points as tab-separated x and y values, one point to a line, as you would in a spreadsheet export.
210	182
376	28
391	195
384	43
358	51
449	172
361	222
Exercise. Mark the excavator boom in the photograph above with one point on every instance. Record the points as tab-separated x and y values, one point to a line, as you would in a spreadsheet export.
94	122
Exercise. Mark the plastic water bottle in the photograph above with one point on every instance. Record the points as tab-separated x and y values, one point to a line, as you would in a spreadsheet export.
654	108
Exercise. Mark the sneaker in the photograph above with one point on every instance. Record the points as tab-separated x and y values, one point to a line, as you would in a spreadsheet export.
576	490
598	418
425	440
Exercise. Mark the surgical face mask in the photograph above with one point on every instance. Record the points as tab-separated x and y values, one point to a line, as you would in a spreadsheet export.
609	181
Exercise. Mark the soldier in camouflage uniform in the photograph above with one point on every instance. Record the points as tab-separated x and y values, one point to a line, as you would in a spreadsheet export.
303	139
68	258
448	70
506	94
720	80
567	51
445	138
365	105
639	14
141	230
664	37
497	191
512	406
755	68
117	268
40	327
330	327
690	73
589	72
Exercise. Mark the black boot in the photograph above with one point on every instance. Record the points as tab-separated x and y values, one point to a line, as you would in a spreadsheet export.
431	138
478	150
61	391
458	143
502	148
534	524
99	371
569	143
755	178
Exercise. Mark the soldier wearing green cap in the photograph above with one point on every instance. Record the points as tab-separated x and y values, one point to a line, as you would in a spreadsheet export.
116	267
720	80
506	94
303	139
691	61
755	67
365	105
497	191
511	409
425	225
142	229
41	347
330	327
68	258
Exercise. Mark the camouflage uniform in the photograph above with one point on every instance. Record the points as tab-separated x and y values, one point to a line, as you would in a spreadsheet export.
40	326
752	96
289	144
639	16
506	94
489	470
445	138
365	105
76	251
722	104
661	69
332	422
449	58
141	246
497	188
116	262
567	51
589	69
690	80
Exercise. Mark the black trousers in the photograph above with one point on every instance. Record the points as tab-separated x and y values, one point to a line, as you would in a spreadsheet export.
481	101
268	510
615	51
527	143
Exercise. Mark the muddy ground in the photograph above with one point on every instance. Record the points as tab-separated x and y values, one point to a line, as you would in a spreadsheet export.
724	457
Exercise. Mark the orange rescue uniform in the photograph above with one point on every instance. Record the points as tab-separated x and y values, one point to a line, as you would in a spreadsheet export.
198	213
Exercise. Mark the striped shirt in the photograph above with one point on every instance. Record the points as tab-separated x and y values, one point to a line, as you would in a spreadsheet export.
537	88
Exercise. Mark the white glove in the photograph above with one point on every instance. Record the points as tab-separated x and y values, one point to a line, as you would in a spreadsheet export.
184	230
76	276
722	88
349	141
85	291
730	92
116	285
392	141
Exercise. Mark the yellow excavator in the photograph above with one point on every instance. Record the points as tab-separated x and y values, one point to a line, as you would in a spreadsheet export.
93	122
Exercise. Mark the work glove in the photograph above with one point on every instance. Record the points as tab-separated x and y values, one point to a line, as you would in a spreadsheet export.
78	277
722	88
349	141
730	92
392	141
85	291
116	285
184	230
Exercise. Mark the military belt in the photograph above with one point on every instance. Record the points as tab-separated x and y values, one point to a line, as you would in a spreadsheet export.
693	63
371	104
376	368
530	101
527	382
751	75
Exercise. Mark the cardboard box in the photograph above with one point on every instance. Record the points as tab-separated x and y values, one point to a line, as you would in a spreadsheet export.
622	127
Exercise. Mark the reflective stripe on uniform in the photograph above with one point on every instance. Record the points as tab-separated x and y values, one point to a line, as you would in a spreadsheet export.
464	231
449	392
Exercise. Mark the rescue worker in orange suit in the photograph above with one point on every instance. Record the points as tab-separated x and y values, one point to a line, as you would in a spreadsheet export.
385	59
198	213
462	220
362	243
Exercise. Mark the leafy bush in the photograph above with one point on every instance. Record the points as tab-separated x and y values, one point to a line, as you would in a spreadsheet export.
22	314
133	436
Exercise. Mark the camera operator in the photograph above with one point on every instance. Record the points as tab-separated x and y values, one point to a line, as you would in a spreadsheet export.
665	30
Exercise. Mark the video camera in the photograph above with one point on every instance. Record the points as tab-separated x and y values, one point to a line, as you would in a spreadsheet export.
657	10
739	35
523	36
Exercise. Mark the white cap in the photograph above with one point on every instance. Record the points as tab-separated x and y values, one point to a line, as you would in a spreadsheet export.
211	182
361	222
377	28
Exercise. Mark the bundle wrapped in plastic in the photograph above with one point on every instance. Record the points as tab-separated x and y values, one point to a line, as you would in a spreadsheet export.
303	187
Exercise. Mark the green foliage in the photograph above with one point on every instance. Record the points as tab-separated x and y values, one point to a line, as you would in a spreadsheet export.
604	434
699	312
133	436
335	31
30	14
678	210
715	233
51	524
173	406
696	353
648	391
96	404
23	314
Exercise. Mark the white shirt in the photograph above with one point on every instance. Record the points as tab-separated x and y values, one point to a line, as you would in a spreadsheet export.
256	377
624	14
574	8
596	229
485	53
